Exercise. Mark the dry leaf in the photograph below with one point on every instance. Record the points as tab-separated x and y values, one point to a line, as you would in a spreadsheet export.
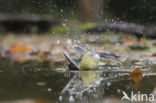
128	39
154	54
19	48
21	60
43	56
136	75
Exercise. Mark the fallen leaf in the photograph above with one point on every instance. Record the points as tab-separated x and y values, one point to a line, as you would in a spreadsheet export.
128	39
43	56
21	60
19	48
154	54
136	75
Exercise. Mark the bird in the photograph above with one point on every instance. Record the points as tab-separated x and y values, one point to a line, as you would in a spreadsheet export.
89	61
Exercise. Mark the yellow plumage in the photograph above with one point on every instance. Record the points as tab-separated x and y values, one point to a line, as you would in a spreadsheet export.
89	61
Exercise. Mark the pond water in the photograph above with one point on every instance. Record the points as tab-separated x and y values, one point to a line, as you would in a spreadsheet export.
39	81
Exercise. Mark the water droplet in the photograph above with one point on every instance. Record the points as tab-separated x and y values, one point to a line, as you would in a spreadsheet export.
97	56
58	41
108	84
60	98
69	41
41	83
63	24
66	20
55	5
49	89
118	90
61	10
106	20
71	99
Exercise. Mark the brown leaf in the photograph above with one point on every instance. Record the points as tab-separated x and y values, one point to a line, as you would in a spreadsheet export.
21	60
154	54
136	75
128	39
43	56
19	48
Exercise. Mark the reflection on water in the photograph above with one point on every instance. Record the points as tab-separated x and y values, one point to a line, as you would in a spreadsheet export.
89	78
82	82
38	82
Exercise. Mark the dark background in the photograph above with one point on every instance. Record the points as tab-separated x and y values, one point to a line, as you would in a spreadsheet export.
85	10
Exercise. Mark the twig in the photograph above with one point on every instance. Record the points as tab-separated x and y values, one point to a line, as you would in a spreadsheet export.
125	27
